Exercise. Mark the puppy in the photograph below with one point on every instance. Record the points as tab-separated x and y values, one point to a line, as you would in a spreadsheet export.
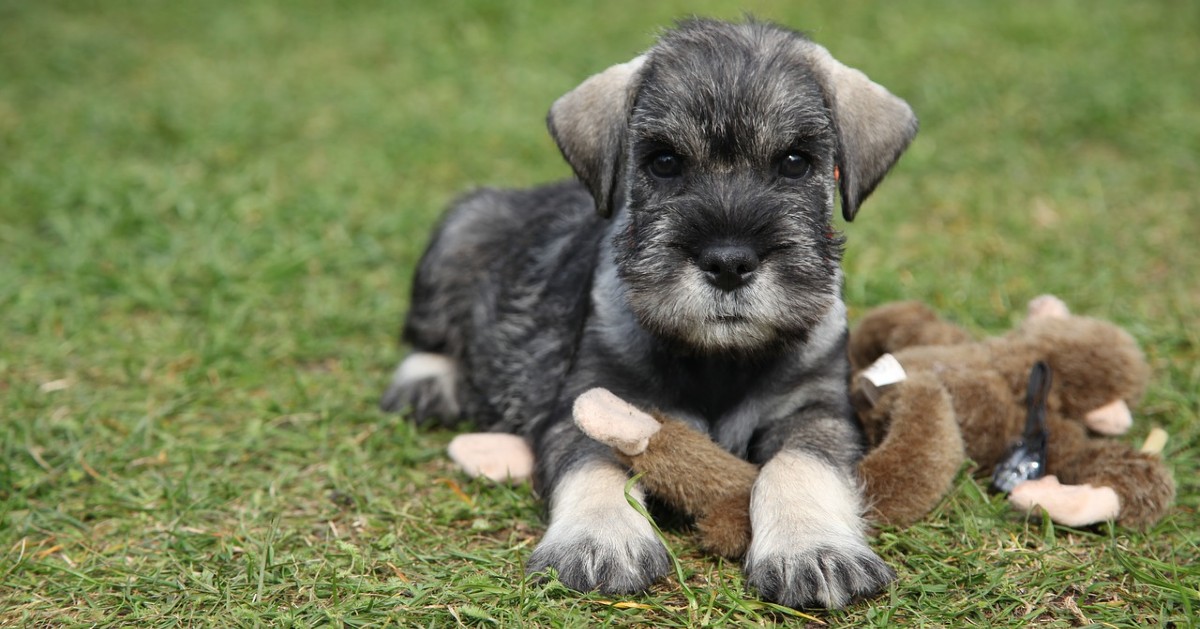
693	269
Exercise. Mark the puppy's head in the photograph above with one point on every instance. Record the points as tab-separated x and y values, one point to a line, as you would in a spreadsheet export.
720	151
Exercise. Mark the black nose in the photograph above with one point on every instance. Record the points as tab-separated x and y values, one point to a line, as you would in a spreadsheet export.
728	266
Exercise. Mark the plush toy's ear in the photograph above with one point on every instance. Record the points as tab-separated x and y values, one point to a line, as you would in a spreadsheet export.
589	125
874	127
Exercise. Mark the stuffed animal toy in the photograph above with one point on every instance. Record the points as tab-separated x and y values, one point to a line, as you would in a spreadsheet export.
957	399
965	399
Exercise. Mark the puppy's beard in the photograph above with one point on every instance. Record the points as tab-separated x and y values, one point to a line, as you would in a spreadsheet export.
686	308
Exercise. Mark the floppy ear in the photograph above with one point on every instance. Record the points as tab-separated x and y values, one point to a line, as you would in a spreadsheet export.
874	127
589	122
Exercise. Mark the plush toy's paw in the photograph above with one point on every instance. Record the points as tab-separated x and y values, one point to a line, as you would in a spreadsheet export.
497	456
1070	505
1048	306
596	540
614	422
1111	419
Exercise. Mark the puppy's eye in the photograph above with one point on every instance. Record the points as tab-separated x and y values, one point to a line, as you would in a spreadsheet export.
666	165
794	165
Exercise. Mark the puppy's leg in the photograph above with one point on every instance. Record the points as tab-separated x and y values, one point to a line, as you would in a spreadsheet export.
446	291
596	540
424	383
808	547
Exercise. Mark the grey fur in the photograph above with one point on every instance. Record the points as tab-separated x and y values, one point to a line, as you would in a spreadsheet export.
538	295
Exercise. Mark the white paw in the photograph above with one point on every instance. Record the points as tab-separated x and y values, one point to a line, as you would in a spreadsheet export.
424	384
808	547
596	540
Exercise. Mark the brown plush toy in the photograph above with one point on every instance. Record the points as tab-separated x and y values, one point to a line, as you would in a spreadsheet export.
965	399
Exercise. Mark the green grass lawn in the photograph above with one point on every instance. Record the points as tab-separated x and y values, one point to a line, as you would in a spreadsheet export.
209	214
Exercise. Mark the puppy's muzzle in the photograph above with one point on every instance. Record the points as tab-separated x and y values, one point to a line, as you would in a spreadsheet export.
728	266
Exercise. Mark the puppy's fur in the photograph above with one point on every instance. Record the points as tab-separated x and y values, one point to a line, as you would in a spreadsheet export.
695	271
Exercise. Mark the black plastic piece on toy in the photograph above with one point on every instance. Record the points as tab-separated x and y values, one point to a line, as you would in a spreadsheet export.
1026	460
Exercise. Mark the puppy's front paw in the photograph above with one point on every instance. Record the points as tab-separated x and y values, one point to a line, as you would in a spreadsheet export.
596	540
602	561
808	548
820	576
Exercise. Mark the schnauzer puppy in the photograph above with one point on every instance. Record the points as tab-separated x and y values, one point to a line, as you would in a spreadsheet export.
692	269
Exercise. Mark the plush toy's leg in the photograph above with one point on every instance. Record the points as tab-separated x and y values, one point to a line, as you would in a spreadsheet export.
725	528
915	464
497	456
1072	505
890	328
679	465
689	471
1141	480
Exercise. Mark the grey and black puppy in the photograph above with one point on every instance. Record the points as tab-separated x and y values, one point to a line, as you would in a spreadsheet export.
695	271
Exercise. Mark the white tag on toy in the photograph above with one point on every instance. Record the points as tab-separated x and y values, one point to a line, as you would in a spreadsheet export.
882	373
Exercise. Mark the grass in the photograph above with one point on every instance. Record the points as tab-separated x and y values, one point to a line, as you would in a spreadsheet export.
209	214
